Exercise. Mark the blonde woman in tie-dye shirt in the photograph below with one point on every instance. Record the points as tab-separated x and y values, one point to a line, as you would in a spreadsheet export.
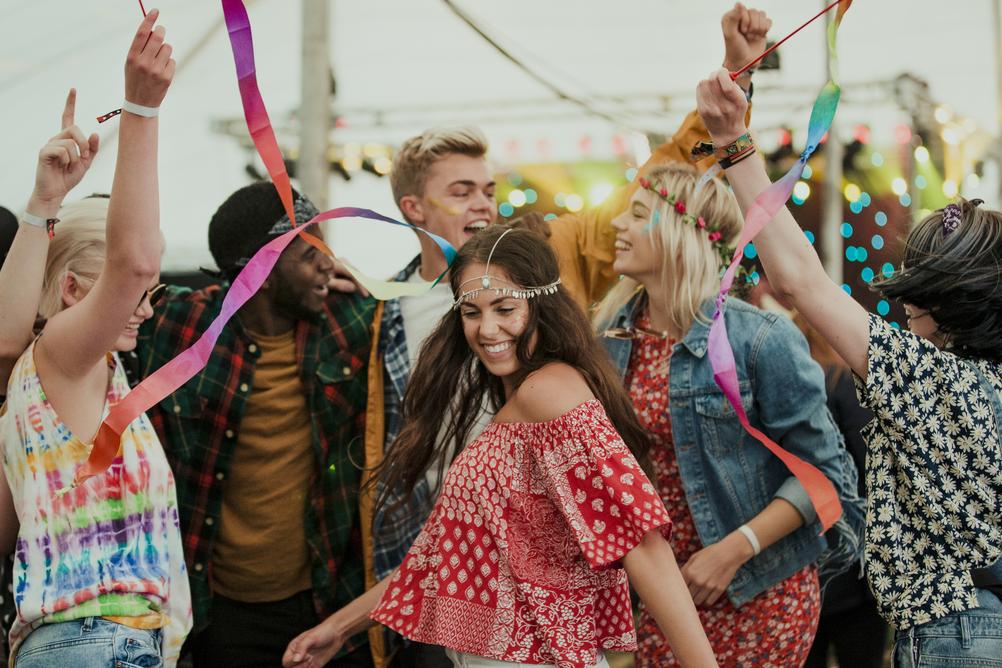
99	577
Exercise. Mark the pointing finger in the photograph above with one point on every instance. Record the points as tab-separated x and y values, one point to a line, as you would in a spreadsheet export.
69	109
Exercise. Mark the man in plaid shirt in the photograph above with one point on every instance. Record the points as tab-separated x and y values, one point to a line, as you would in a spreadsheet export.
266	443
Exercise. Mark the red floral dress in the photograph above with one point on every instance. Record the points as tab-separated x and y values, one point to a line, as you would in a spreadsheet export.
519	560
776	628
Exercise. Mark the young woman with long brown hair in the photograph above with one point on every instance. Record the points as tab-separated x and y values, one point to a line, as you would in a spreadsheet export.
541	519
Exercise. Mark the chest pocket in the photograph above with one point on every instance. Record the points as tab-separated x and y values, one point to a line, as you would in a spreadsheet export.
183	416
338	368
718	421
342	378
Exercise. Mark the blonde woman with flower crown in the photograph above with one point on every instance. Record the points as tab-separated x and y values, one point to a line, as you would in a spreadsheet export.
746	535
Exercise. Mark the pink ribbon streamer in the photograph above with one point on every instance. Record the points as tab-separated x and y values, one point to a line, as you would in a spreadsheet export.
165	380
823	495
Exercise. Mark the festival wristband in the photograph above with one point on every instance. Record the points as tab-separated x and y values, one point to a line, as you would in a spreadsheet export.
47	224
730	161
749	533
736	147
140	110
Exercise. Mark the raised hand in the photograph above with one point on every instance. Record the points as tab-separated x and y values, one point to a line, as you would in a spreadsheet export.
722	105
744	32
62	162
149	68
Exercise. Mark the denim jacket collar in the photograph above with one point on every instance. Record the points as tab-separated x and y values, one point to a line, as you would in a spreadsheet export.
696	339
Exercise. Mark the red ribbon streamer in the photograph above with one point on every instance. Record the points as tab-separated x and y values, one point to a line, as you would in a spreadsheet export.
735	75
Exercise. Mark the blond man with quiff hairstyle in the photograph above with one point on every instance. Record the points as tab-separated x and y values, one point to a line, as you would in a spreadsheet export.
416	156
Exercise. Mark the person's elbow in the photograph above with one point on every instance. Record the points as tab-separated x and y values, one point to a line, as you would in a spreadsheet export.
141	267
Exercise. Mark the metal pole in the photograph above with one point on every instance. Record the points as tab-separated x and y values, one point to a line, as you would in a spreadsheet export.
313	168
831	207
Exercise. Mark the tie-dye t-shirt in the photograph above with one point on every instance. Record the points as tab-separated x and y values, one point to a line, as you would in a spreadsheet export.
108	548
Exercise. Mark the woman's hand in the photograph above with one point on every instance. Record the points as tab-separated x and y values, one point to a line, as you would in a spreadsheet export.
710	571
722	105
315	647
149	68
62	163
744	32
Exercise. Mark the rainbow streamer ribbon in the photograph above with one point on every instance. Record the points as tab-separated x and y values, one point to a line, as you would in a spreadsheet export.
168	378
765	207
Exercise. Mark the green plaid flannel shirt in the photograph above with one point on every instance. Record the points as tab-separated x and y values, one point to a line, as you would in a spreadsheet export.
199	426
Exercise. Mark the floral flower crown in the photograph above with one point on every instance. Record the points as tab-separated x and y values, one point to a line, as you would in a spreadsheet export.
716	238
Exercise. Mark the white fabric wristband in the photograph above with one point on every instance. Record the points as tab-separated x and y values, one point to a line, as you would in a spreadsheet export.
33	220
140	110
748	533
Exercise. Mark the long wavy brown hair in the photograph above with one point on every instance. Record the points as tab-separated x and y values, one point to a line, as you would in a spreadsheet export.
449	384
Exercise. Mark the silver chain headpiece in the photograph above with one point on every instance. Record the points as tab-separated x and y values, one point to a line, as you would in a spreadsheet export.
487	283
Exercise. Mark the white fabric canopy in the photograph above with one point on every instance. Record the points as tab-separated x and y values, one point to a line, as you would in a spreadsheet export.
415	60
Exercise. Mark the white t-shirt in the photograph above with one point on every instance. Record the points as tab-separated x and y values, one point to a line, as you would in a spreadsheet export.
422	313
421	316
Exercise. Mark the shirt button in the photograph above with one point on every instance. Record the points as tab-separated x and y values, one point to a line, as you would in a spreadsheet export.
220	475
252	348
198	568
177	408
229	433
209	521
243	387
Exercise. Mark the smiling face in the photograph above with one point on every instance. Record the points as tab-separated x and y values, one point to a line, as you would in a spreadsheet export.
75	287
636	253
300	279
458	199
493	323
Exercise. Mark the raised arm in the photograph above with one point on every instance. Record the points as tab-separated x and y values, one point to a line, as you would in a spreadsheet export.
584	242
133	227
789	259
62	162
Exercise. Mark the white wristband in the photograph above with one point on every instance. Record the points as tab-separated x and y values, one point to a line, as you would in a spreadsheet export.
33	220
748	533
140	110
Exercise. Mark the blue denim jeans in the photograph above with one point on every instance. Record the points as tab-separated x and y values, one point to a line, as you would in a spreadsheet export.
969	639
91	641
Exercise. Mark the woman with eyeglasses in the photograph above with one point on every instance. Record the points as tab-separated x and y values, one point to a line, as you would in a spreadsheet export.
933	554
99	575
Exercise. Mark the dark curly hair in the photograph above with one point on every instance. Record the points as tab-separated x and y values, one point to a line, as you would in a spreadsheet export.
957	277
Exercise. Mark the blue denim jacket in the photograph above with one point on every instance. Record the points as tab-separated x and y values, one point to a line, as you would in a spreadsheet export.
728	476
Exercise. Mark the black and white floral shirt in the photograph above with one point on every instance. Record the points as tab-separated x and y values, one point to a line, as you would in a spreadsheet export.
933	475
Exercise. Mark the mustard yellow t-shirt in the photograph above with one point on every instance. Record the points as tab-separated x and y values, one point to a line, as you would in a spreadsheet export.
260	553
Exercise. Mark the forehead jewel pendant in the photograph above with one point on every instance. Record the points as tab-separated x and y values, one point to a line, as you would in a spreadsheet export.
485	281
